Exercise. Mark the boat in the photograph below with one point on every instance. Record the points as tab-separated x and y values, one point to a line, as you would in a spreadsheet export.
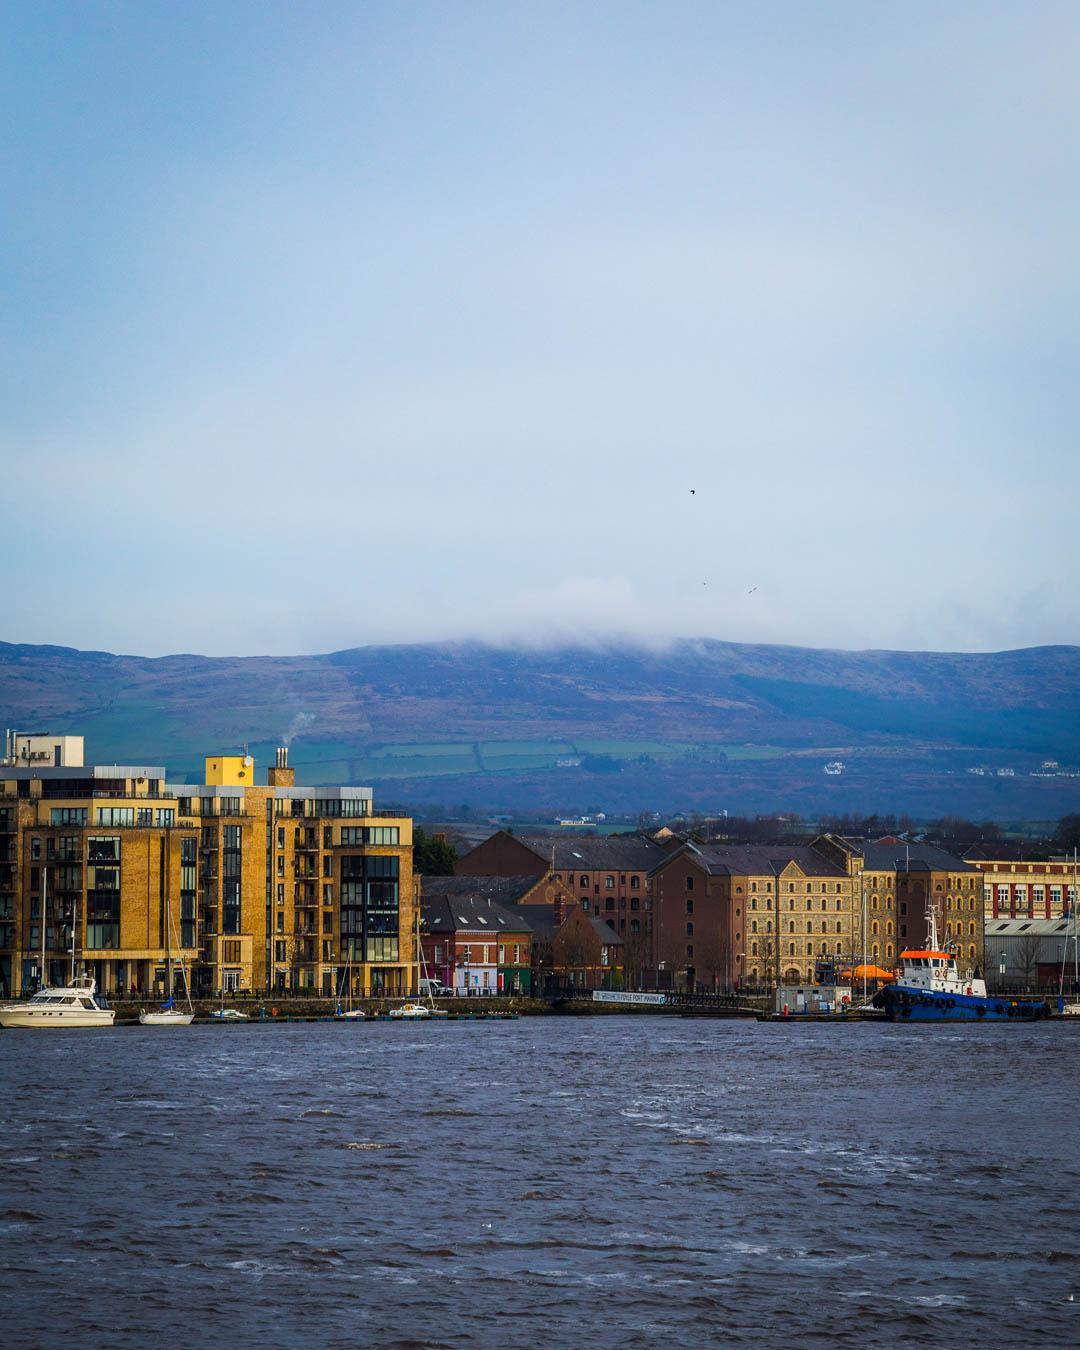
931	988
72	1005
229	1015
411	1009
168	1014
348	1013
75	1004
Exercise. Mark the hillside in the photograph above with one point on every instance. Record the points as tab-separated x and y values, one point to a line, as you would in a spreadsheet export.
699	723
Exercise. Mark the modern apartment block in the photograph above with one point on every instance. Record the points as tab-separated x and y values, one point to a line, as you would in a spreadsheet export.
258	888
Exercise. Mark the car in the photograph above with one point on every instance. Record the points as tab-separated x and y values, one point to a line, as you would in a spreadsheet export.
434	989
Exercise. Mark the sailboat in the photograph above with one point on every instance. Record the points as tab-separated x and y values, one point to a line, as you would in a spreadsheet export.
1071	1008
412	1008
168	1014
348	1013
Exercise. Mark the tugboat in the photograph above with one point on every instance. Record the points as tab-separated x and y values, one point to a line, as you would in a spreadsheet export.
931	989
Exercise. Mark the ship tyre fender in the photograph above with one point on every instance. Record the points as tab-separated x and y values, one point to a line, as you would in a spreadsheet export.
999	1008
906	1010
950	1003
981	1012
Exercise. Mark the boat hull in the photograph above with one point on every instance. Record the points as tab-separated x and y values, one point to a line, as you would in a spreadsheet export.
164	1019
56	1019
905	1004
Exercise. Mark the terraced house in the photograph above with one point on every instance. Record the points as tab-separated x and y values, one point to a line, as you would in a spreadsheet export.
254	888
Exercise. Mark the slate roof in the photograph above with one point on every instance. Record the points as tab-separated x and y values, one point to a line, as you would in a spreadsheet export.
613	853
473	914
910	857
761	860
502	890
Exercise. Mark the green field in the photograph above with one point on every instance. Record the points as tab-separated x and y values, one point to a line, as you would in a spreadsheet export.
326	761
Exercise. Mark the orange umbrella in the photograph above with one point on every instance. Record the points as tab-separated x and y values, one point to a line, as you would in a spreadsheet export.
868	973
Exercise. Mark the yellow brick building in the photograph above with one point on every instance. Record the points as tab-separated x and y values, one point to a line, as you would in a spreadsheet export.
257	889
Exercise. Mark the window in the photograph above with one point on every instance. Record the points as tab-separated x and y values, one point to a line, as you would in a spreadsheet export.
689	906
584	881
689	953
635	902
689	883
635	883
328	894
689	930
281	921
281	836
68	815
753	925
609	903
229	806
116	815
609	883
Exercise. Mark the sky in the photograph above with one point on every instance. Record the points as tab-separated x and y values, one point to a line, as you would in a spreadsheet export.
327	324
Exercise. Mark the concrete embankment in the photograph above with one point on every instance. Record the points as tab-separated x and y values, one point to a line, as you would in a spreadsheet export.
300	1009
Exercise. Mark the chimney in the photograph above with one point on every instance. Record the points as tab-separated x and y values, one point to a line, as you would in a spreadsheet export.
281	775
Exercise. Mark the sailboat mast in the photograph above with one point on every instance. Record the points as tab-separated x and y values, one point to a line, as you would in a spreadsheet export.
74	920
44	912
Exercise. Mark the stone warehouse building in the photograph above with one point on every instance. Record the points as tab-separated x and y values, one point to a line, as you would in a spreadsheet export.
256	888
730	915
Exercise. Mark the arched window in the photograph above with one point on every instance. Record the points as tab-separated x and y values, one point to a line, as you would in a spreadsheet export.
791	949
873	928
809	925
753	925
753	949
971	932
791	927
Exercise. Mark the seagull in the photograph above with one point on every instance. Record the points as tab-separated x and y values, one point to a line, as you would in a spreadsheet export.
751	590
693	492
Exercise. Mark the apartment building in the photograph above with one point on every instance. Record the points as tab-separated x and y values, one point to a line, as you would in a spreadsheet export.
256	888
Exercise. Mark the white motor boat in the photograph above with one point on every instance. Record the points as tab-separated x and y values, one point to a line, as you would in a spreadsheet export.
229	1015
72	1005
411	1009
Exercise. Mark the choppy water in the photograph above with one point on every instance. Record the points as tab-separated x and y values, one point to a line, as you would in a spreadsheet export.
614	1181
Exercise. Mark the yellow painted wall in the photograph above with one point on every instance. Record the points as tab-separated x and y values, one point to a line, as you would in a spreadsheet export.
229	770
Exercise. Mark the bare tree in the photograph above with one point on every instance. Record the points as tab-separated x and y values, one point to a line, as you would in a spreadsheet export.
1026	955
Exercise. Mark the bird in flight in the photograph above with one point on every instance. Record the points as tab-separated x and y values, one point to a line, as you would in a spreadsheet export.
751	590
693	492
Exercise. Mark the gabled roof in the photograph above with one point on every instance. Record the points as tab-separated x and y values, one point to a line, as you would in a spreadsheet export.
471	914
502	890
759	860
615	853
910	858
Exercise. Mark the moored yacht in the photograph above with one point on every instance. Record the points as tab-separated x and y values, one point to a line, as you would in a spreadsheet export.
72	1005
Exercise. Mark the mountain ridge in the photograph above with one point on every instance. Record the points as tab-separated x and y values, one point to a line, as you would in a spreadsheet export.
508	719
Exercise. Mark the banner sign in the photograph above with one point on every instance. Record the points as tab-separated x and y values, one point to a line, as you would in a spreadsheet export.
619	996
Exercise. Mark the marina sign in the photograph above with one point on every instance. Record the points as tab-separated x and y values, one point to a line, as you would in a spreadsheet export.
619	996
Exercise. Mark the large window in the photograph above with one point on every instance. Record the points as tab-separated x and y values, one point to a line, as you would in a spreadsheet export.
230	879
343	806
369	907
116	815
68	815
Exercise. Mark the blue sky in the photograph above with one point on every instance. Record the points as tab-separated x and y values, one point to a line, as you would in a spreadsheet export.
329	324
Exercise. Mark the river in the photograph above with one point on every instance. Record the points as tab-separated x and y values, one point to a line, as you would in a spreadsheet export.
610	1181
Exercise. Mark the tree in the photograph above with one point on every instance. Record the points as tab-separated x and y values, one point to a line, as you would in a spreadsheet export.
577	944
1067	835
1026	955
432	857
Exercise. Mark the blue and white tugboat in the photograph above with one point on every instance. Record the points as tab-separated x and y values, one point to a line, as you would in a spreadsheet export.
931	989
